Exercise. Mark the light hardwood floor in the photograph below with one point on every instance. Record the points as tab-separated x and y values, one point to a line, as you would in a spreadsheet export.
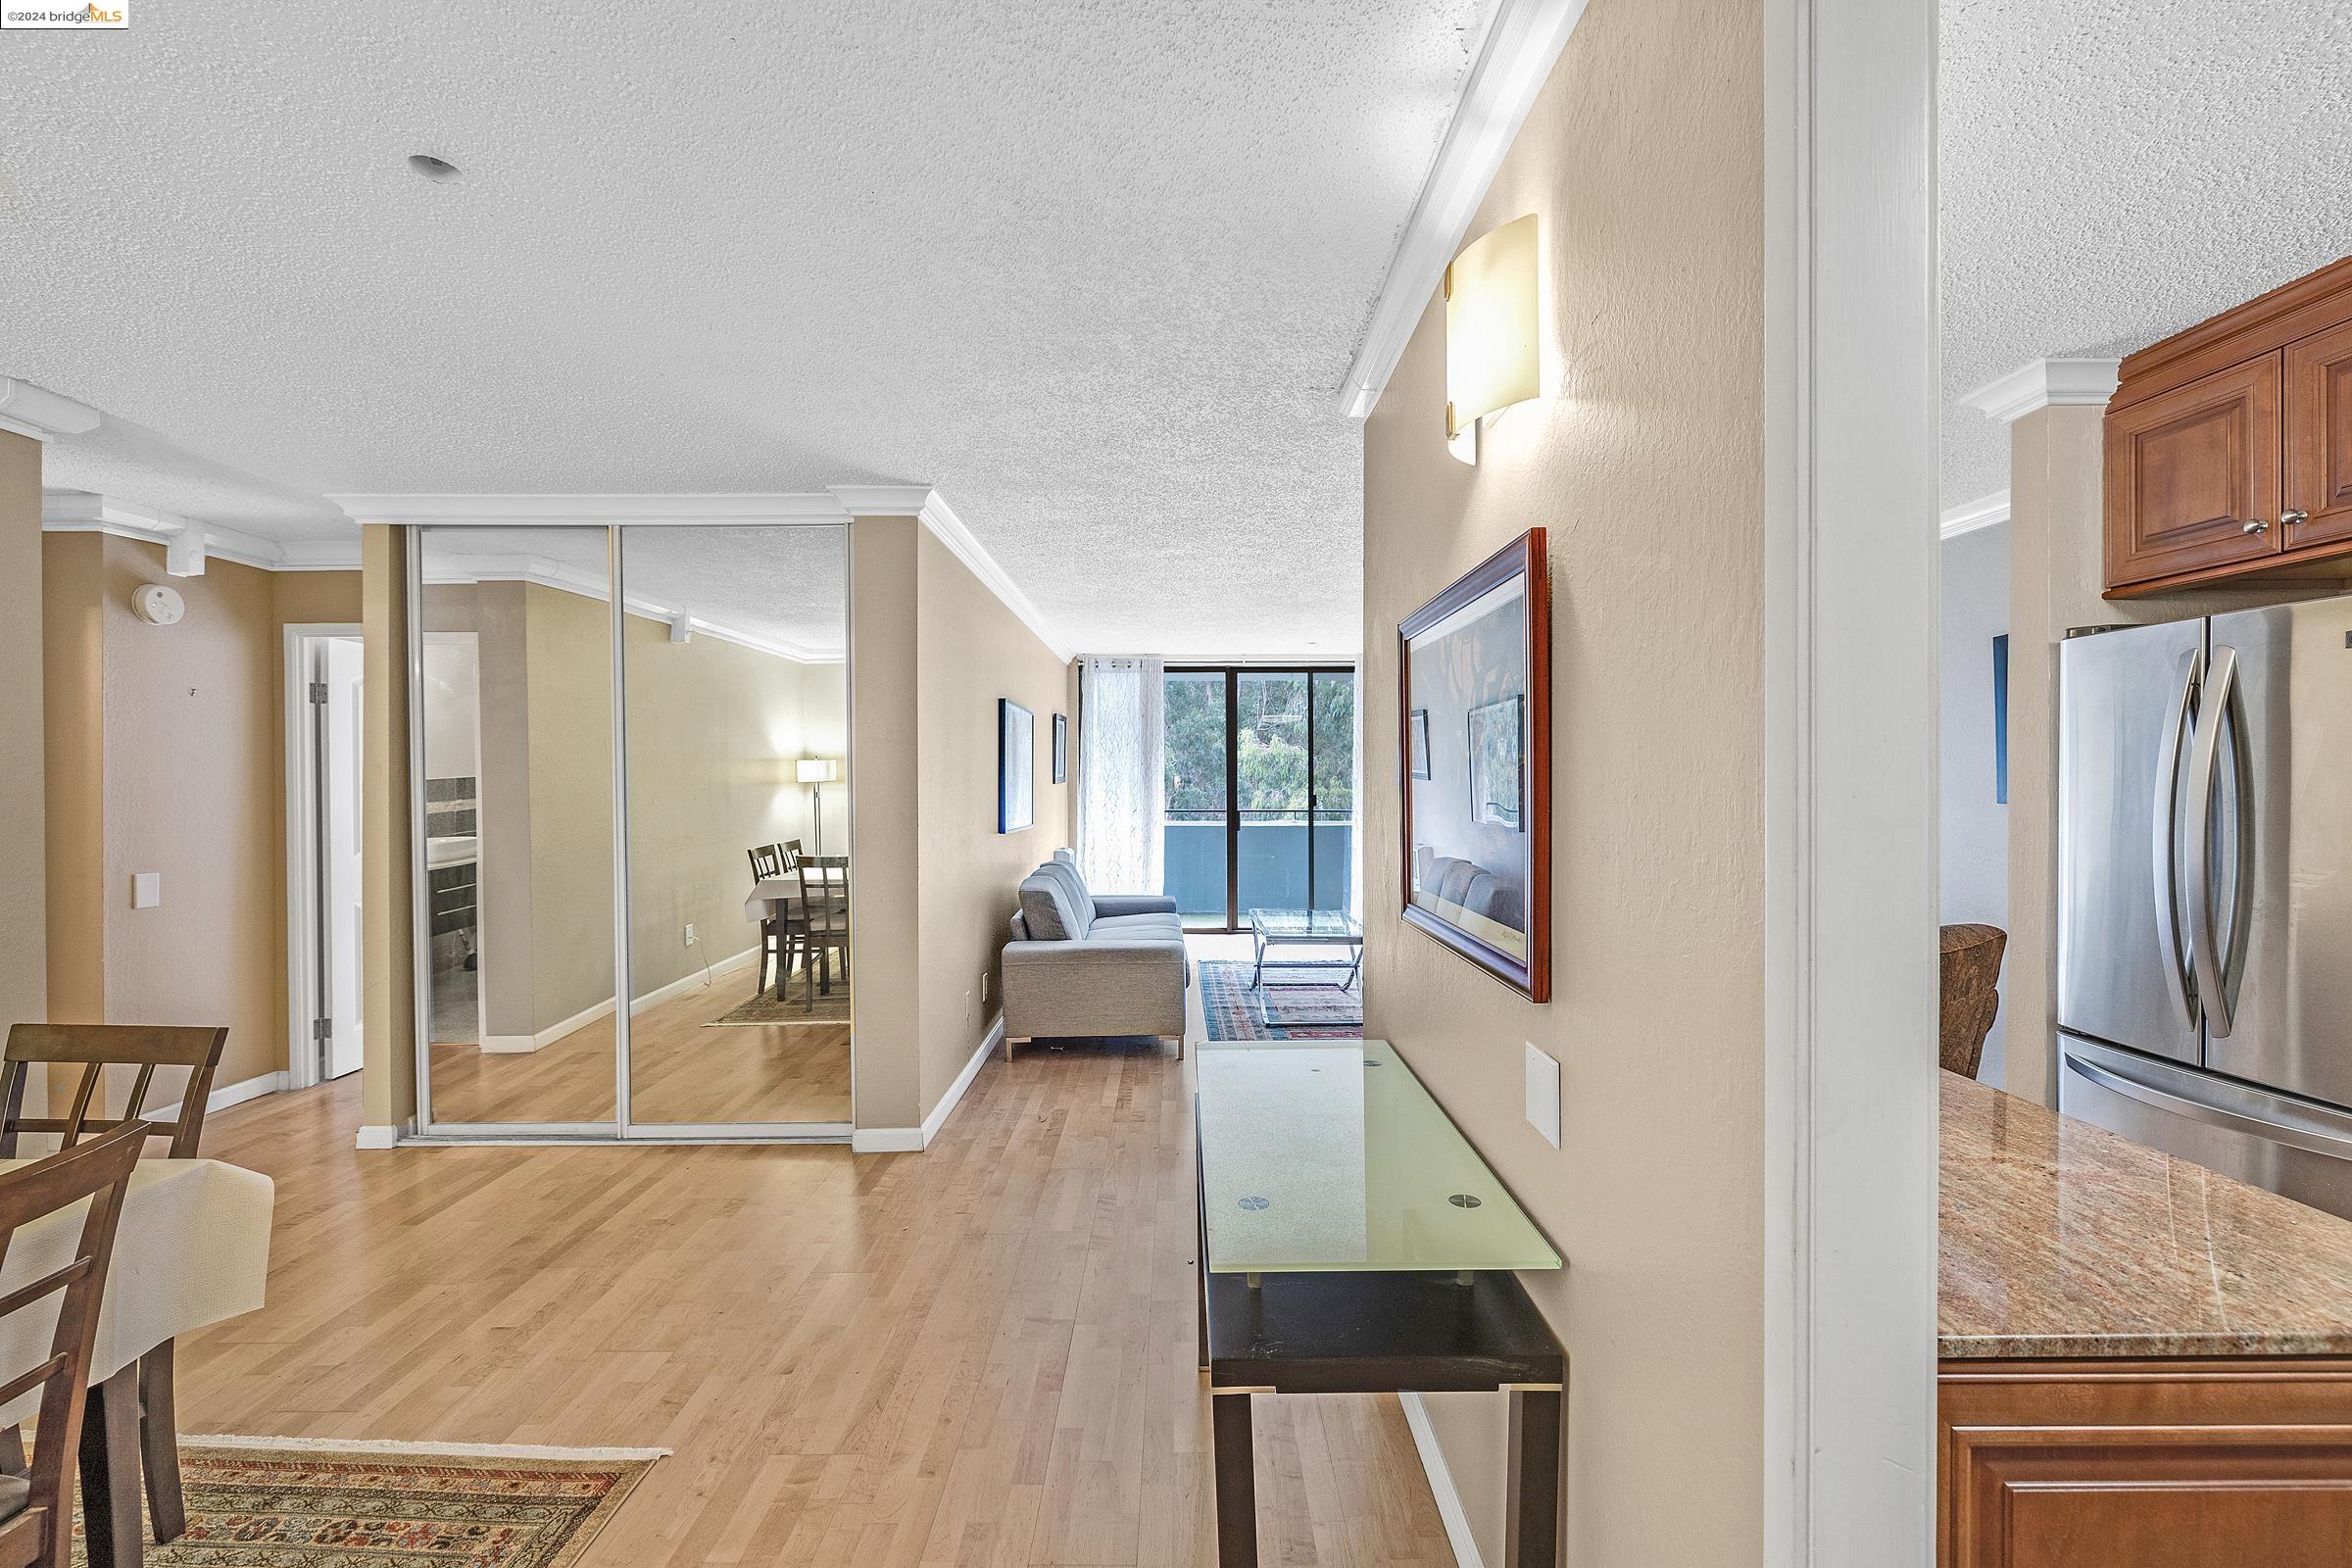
982	1353
681	1069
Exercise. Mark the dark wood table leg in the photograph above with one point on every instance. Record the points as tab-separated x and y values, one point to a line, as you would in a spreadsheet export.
1237	1479
1532	1520
110	1471
159	1445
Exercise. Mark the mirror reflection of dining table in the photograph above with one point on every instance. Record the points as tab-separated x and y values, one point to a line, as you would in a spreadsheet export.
779	898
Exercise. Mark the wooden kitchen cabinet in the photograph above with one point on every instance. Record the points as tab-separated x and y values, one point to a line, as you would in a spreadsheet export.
2173	1463
2228	447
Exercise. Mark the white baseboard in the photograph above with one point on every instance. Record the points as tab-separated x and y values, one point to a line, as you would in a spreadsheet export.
377	1138
913	1140
1441	1482
269	1083
515	1044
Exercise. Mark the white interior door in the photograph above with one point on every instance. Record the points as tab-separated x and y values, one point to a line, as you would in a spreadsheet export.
339	806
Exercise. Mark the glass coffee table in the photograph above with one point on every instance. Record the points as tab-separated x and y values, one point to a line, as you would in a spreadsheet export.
1352	1241
1311	928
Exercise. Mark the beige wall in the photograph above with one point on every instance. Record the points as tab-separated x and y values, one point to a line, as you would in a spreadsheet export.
23	944
2057	571
1645	462
886	972
388	1075
971	652
168	754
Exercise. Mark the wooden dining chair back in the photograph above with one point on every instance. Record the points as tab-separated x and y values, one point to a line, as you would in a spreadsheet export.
767	863
36	1508
1969	993
824	916
94	1047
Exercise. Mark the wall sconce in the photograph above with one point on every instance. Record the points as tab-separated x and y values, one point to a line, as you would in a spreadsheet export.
815	772
1492	355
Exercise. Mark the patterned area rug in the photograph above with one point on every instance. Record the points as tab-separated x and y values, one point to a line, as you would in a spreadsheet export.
275	1503
1308	1012
831	1006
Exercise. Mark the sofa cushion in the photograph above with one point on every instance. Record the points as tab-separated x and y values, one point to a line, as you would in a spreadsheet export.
1066	874
1169	926
1048	911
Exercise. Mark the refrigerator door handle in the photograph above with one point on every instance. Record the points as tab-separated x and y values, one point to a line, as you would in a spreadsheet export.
2204	773
2217	1102
2166	821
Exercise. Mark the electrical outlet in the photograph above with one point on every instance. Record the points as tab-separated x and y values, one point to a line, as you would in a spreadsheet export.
689	933
146	889
1544	1094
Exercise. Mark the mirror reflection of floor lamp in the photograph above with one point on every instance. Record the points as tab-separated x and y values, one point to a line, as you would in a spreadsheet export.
817	772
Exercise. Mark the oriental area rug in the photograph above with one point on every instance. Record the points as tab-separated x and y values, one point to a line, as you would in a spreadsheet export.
279	1502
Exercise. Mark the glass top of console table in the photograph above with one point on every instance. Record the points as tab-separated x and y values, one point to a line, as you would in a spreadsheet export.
1329	1157
1307	925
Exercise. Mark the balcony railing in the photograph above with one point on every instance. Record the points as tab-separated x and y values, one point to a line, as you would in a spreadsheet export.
1273	864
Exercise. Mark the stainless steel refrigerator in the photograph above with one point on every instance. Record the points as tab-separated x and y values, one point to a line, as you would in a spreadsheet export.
2205	892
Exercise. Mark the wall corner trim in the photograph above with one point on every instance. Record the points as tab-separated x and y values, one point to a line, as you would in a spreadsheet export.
1986	512
924	502
1448	1496
915	1140
38	412
376	1137
2044	383
1515	60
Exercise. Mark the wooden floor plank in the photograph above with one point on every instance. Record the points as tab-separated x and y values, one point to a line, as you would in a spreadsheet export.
982	1353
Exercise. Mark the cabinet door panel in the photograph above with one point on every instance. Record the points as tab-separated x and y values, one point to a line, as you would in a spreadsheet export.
2188	470
2319	437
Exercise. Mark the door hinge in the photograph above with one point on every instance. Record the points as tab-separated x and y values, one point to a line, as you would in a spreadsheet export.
322	1029
319	691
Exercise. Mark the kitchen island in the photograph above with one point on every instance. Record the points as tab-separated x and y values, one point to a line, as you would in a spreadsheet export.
2140	1362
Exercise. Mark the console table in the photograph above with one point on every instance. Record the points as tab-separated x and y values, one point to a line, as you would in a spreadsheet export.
1352	1242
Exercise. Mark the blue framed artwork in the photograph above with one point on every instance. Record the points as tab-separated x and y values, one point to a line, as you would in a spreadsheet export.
1016	766
2000	719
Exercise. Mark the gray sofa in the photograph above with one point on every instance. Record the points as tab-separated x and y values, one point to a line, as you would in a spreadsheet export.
1087	965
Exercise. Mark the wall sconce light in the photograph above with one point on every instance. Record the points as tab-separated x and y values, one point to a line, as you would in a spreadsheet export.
1492	355
817	771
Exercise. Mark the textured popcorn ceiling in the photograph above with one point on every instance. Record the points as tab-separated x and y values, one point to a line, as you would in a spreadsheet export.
2114	171
1093	270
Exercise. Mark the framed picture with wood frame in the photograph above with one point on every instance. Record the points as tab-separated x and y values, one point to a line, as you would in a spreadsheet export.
1474	762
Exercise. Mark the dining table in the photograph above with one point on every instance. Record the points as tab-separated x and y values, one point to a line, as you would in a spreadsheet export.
779	898
191	1248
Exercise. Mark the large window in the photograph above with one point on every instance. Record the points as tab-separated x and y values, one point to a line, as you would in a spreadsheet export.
1260	777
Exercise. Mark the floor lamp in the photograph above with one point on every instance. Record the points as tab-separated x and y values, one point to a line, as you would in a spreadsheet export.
817	772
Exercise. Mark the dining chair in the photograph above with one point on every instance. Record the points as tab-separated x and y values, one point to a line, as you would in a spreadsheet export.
824	919
1968	962
36	1507
94	1047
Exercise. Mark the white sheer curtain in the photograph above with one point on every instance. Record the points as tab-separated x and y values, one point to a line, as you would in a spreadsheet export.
1122	790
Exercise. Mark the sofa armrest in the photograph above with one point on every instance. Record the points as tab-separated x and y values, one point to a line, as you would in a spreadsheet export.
1100	986
1107	904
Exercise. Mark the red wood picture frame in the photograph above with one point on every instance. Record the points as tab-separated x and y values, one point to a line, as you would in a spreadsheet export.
1524	558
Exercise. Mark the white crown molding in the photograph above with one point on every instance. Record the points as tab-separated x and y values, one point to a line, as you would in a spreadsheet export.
837	504
516	510
949	528
1514	61
81	511
38	412
1986	512
2044	383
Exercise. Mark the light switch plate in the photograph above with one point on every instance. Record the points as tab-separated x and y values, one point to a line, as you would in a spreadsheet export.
146	889
1544	1094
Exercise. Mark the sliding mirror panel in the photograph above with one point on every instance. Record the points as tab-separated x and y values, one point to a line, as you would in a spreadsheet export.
736	728
515	712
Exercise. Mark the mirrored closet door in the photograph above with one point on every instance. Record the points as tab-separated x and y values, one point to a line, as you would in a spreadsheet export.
677	814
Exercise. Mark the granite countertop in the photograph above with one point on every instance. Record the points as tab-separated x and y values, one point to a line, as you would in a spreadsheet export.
2061	1239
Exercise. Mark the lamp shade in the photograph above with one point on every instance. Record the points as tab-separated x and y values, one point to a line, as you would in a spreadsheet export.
818	771
1491	358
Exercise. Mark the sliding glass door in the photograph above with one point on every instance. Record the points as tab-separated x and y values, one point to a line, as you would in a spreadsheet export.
630	759
1277	829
